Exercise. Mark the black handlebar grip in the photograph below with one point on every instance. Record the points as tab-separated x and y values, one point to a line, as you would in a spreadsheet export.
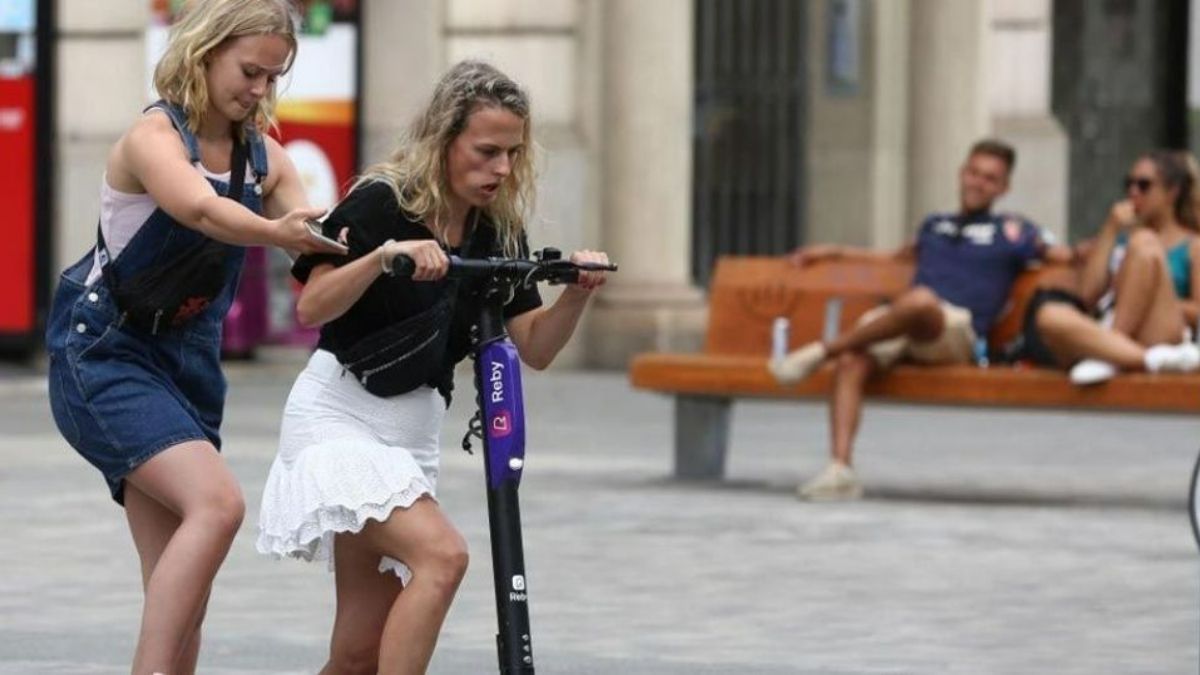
403	266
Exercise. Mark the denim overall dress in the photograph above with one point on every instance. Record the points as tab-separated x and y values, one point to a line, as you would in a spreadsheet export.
120	395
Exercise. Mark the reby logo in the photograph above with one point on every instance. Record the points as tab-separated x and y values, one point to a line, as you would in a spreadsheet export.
517	594
501	424
497	379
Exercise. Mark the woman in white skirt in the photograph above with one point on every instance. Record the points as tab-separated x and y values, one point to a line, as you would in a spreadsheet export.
357	468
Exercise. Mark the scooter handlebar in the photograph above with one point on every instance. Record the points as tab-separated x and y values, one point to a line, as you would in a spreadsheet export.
553	271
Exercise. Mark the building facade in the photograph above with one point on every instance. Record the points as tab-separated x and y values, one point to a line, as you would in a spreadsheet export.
864	113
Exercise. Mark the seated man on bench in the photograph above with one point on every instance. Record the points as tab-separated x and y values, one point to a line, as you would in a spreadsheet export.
966	263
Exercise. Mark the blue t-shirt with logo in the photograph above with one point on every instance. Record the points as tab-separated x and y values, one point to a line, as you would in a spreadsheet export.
972	260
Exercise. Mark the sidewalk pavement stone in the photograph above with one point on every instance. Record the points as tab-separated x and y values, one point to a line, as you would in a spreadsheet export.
990	542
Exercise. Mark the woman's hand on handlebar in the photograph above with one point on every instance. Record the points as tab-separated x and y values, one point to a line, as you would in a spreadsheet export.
430	261
590	280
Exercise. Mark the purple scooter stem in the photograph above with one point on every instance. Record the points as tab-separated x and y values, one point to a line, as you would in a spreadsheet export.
502	418
503	412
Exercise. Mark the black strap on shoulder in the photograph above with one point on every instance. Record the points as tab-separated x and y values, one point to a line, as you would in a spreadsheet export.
105	267
237	170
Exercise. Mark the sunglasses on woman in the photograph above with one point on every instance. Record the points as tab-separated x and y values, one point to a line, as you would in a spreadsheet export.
1142	184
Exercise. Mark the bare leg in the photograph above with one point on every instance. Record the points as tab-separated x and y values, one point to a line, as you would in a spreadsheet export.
427	542
193	482
152	526
917	313
1071	336
364	598
845	410
1147	308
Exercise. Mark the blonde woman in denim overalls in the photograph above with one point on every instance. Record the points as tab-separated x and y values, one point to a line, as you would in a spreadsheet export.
145	407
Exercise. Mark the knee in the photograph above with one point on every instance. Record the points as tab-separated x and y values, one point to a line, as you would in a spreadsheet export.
222	511
444	562
853	364
919	300
1145	245
452	559
357	657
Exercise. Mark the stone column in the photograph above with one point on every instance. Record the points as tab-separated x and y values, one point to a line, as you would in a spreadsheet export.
644	140
857	141
1019	103
948	110
890	125
839	142
402	48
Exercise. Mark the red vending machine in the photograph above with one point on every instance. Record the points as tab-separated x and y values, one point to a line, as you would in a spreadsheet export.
25	146
318	116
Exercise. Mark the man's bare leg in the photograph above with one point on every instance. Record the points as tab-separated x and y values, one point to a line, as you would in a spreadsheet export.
845	409
838	481
916	314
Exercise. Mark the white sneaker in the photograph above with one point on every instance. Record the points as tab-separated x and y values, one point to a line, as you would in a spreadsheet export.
837	482
1181	358
799	364
1092	371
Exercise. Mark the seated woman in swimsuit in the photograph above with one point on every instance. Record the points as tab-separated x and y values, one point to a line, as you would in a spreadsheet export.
1141	278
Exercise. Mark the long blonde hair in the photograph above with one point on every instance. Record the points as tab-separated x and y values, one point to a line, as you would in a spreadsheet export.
203	26
416	171
1178	169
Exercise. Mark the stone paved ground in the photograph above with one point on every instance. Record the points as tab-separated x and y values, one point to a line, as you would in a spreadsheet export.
990	542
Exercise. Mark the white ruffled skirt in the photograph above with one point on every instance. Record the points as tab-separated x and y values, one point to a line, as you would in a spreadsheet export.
346	457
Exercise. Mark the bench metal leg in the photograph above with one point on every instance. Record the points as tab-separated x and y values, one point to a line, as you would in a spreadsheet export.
701	437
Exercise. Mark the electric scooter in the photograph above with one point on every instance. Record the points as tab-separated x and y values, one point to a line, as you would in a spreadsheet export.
499	421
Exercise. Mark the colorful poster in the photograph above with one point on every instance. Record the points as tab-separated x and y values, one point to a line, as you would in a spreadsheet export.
18	171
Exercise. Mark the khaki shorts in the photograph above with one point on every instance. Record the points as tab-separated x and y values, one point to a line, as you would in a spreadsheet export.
956	344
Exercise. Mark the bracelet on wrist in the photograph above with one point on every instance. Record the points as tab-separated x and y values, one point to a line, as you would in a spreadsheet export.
385	261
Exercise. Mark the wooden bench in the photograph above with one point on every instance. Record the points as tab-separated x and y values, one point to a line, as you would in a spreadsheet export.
748	293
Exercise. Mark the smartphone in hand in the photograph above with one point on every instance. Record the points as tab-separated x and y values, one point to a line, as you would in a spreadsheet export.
315	230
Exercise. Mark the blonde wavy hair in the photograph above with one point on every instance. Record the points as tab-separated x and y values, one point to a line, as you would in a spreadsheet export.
416	171
204	25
